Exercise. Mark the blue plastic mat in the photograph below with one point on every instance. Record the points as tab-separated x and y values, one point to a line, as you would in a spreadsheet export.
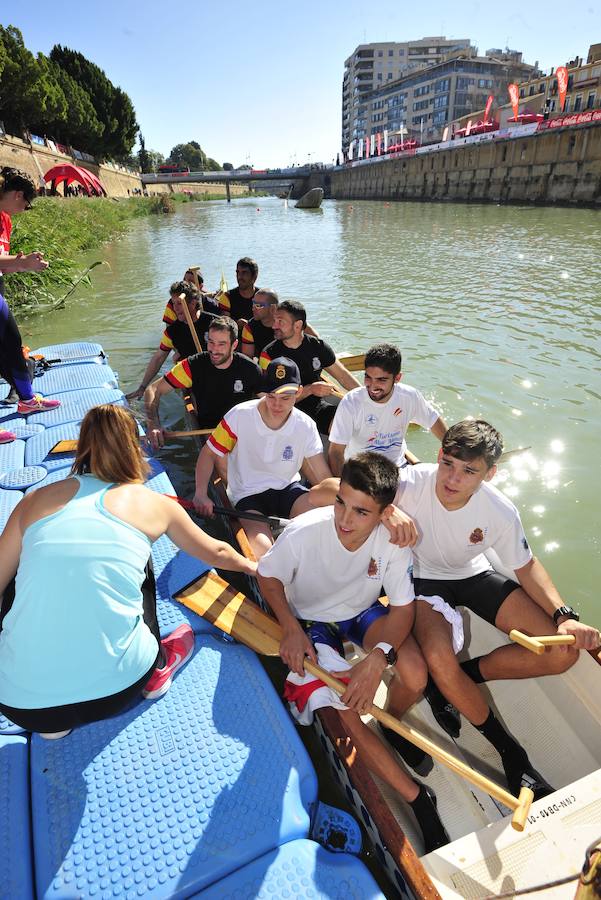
4	390
37	449
74	406
74	352
23	430
61	379
300	870
12	456
8	501
172	795
8	727
15	839
23	478
174	569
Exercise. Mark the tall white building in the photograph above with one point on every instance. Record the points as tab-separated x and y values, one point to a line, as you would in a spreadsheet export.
372	66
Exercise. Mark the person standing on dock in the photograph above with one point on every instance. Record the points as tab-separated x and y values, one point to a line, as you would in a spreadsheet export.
376	417
176	336
219	379
266	443
322	578
460	516
312	355
17	193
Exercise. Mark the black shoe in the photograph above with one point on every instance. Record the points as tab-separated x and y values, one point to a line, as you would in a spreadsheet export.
521	773
425	810
12	397
419	761
447	715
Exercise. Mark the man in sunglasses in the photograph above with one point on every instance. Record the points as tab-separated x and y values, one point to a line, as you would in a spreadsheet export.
258	331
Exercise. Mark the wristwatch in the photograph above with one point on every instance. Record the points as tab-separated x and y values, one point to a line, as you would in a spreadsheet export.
566	611
388	651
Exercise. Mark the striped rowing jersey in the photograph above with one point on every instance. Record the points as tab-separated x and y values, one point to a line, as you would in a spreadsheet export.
262	458
234	305
177	336
254	332
216	390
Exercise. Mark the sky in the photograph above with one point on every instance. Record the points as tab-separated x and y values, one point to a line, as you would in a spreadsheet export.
261	83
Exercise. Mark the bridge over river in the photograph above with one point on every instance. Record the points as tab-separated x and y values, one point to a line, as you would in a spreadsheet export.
300	178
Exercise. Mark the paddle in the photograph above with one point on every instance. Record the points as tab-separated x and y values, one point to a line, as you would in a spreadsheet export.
537	644
234	513
194	270
236	615
195	337
71	445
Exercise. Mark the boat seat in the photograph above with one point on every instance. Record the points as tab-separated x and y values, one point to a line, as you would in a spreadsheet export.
174	794
75	405
37	449
300	869
15	837
77	351
8	501
75	377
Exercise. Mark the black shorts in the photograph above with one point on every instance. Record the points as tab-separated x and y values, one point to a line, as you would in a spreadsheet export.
272	502
484	593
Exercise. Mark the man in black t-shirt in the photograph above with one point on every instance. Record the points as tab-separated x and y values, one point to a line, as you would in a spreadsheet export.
176	336
237	303
311	355
219	379
258	331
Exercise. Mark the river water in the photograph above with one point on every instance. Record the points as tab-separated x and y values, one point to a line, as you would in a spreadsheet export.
497	311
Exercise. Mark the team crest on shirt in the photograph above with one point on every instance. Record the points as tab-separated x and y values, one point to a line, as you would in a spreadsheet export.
477	536
238	386
288	452
316	363
371	419
373	568
397	411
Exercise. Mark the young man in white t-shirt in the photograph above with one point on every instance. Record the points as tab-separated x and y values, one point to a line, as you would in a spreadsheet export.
459	516
327	570
376	417
266	443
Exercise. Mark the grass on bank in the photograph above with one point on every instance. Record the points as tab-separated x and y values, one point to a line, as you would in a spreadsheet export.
63	228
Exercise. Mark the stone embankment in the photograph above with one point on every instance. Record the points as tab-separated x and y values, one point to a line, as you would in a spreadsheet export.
559	166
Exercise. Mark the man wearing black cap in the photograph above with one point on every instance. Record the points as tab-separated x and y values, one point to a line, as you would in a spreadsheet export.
267	442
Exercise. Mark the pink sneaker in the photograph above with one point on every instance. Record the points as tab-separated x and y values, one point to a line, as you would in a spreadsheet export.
178	648
37	404
6	436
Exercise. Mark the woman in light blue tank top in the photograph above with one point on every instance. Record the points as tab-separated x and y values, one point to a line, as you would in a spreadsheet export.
80	638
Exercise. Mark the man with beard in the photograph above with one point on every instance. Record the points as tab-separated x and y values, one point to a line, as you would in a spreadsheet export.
376	417
237	303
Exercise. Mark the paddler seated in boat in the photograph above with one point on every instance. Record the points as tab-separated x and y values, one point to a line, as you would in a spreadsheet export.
312	355
79	637
258	331
209	304
322	578
377	416
460	516
219	379
267	443
237	303
176	336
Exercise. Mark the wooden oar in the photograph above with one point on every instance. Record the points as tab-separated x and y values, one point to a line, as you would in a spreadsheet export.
194	270
236	615
507	454
70	446
234	513
537	644
353	363
195	337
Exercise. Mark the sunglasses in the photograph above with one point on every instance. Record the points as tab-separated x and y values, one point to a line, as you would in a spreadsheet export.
260	305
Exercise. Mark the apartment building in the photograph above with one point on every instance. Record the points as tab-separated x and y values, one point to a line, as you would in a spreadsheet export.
420	104
372	66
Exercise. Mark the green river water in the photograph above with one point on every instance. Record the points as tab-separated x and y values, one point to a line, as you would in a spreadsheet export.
497	311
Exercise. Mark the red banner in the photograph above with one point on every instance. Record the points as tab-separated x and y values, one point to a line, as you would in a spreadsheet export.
562	85
378	142
367	148
488	107
584	118
514	96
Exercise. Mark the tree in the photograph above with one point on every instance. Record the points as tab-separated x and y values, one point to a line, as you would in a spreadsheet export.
29	93
80	126
189	155
212	165
156	159
143	158
227	167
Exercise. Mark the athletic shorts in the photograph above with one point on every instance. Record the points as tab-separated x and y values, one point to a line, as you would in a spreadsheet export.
484	593
273	502
334	633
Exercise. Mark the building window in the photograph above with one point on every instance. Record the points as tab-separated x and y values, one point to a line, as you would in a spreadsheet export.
391	52
380	53
566	107
464	83
578	103
379	76
443	85
401	52
389	76
440	102
590	101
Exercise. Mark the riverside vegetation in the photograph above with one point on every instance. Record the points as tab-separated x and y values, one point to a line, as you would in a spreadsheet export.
61	229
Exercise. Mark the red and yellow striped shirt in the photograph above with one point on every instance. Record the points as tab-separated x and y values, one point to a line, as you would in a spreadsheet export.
180	375
223	440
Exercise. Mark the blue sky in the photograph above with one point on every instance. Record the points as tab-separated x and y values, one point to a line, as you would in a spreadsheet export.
261	83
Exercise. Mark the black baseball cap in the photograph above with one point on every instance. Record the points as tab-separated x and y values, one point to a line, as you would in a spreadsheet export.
281	376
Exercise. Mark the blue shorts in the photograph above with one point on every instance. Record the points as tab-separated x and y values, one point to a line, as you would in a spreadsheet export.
273	502
335	633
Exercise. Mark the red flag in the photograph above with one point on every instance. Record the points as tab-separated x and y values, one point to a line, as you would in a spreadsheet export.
562	84
367	147
488	107
514	96
378	142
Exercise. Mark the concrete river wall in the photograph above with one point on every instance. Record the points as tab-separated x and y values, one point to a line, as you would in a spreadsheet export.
559	166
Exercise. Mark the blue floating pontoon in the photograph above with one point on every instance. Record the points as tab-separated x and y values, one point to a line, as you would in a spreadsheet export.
207	790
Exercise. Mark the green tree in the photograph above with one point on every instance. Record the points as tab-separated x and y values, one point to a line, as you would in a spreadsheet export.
30	96
156	159
80	127
189	154
212	165
143	157
227	167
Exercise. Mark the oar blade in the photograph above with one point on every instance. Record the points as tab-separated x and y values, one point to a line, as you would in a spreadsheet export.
232	612
63	447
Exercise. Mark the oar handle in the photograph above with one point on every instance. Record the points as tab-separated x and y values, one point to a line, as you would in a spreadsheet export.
192	433
537	644
195	337
520	805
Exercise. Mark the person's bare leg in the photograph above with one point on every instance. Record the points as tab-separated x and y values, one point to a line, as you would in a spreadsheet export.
259	536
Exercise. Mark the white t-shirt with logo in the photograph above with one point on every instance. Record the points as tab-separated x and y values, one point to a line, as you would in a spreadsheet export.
452	543
324	581
260	457
362	424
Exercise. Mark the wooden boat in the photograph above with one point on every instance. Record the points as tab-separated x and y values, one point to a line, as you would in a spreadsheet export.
558	721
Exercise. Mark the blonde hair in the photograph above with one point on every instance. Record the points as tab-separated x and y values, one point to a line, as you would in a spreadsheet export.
17	180
109	446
